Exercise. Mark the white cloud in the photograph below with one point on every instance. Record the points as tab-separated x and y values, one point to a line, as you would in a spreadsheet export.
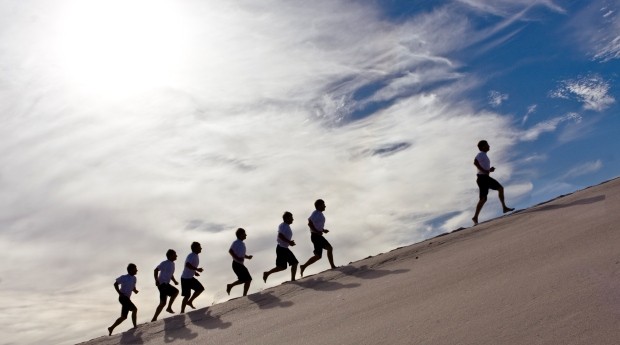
609	51
530	110
496	98
597	29
583	169
548	126
508	7
591	90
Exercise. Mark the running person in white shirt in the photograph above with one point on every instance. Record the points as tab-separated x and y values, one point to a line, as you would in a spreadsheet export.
127	284
237	251
485	181
316	222
164	273
284	256
188	281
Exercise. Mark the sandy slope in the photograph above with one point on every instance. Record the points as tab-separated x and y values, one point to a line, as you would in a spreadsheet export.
546	275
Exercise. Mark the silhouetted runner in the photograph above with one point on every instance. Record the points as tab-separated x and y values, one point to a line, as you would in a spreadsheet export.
316	222
284	256
237	251
164	273
485	181
188	281
127	284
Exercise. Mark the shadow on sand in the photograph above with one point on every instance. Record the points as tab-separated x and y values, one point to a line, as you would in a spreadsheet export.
266	300
132	336
364	272
322	284
175	329
585	201
205	319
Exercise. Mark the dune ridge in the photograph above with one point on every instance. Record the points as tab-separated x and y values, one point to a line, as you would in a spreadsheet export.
548	274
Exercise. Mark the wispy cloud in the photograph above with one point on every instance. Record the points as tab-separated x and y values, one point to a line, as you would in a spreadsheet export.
509	7
548	126
597	30
496	98
530	110
583	169
591	90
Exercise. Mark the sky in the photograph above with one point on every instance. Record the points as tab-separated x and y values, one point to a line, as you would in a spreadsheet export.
131	127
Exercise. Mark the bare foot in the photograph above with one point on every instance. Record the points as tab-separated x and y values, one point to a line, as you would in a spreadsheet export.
191	305
265	276
302	268
170	310
153	320
228	288
475	219
110	330
508	209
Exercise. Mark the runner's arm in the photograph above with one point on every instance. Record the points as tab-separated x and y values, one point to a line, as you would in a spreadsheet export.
155	272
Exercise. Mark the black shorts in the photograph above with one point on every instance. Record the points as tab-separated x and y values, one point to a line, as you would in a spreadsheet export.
241	271
127	305
320	243
486	182
166	290
285	256
187	285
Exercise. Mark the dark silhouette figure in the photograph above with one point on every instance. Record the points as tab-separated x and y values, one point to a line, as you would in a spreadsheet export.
237	251
485	181
127	285
316	222
284	256
188	280
164	274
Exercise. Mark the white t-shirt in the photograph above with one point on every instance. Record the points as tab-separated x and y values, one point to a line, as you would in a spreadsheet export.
193	259
318	220
484	162
128	283
166	270
238	247
286	231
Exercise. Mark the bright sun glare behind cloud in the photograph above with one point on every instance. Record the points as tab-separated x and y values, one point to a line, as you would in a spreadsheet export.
110	52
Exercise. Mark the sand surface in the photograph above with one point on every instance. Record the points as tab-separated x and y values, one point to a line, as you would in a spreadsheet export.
549	274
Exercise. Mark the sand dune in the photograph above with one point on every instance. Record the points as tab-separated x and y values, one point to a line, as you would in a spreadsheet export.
549	274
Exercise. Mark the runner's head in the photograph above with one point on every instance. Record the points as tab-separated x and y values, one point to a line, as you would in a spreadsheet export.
132	269
287	217
196	248
171	255
241	234
319	205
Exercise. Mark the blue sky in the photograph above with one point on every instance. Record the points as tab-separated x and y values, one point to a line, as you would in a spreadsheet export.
131	127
